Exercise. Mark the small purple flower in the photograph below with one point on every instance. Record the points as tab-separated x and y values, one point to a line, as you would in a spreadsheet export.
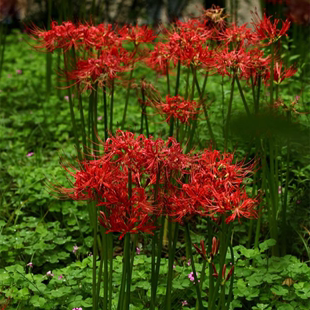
191	276
75	249
66	98
49	274
99	118
184	303
30	154
77	308
19	71
90	254
279	190
138	251
30	264
189	262
60	277
297	98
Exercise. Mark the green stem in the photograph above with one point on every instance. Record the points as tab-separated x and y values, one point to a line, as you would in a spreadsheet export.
105	110
111	106
272	74
168	78
75	132
127	98
231	285
178	78
243	97
284	224
157	269
173	238
229	110
95	301
127	261
187	232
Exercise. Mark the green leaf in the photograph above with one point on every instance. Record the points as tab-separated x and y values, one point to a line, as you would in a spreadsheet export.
279	290
266	245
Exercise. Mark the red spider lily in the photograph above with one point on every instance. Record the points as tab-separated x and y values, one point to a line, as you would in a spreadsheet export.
100	70
159	58
214	188
280	73
100	37
258	66
237	61
215	247
126	214
64	36
137	34
268	30
179	108
238	35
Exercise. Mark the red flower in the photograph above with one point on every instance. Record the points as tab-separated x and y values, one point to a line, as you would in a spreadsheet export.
280	73
137	34
179	108
268	30
100	70
238	35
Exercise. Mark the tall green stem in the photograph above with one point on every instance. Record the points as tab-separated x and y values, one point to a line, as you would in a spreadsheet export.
127	98
111	106
187	232
243	97
229	109
105	109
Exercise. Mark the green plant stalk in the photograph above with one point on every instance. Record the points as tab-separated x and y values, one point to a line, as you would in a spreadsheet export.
187	83
201	94
187	232
229	110
95	121
272	178
284	209
260	213
111	106
127	98
106	271
157	269
178	78
168	78
83	123
102	260
90	124
253	92
153	268
211	278
225	233
105	111
252	221
246	107
144	115
202	278
127	260
110	254
77	143
173	238
95	301
272	74
221	304
121	296
48	75
231	286
258	93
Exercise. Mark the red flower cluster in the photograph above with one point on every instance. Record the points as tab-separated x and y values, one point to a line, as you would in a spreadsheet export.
138	179
178	108
214	188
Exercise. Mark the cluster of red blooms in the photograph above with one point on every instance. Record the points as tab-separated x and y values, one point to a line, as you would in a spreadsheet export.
207	43
179	108
138	178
